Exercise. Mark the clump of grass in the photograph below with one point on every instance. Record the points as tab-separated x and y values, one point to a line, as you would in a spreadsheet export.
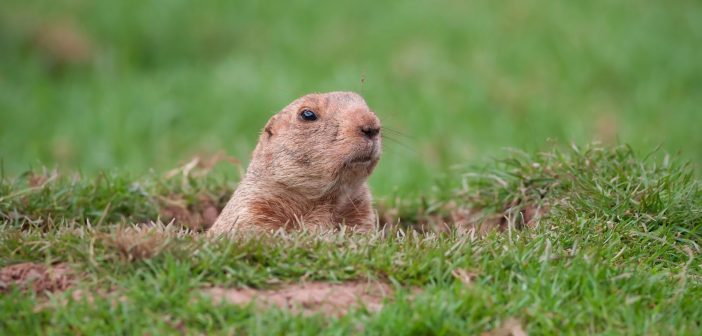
599	185
45	198
611	185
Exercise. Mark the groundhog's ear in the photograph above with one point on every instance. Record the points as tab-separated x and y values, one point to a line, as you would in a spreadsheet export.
270	128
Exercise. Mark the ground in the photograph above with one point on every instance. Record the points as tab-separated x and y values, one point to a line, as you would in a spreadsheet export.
615	249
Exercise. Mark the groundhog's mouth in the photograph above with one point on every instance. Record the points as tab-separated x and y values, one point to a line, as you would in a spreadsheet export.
364	157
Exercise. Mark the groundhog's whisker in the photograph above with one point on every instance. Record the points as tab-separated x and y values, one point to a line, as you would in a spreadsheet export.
396	132
402	144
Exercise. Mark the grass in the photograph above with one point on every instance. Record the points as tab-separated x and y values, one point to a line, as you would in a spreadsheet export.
167	80
600	239
616	252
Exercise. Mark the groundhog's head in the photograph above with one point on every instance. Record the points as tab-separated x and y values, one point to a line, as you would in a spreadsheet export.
320	141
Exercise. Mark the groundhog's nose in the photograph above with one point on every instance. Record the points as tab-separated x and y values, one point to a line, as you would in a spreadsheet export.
370	131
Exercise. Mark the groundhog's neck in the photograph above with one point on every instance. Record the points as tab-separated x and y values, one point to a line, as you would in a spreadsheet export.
260	184
312	186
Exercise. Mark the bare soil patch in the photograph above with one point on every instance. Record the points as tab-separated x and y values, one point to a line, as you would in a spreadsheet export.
309	298
36	277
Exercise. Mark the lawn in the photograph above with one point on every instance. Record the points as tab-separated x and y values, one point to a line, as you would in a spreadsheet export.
115	98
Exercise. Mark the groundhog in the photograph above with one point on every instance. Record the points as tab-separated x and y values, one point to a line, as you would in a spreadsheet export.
309	168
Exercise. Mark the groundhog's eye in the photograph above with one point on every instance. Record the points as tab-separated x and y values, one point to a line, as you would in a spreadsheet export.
308	115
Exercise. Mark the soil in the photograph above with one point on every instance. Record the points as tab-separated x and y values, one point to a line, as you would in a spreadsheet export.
334	299
39	278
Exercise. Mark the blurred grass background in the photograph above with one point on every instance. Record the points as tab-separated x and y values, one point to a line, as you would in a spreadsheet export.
139	85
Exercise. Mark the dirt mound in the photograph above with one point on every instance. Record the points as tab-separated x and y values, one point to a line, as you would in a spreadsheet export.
36	277
309	298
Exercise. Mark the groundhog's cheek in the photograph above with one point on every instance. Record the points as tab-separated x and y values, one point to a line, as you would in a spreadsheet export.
345	150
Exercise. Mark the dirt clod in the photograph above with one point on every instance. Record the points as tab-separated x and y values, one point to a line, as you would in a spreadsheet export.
309	298
510	327
36	277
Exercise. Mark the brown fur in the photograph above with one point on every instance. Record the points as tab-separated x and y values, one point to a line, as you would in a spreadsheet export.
309	173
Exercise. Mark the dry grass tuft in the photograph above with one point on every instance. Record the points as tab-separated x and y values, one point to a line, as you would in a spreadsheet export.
138	242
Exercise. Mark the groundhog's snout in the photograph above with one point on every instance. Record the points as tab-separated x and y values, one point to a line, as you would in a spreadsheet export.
368	127
368	124
370	131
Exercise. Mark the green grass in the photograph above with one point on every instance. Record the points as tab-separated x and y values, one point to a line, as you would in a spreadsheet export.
460	80
617	252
